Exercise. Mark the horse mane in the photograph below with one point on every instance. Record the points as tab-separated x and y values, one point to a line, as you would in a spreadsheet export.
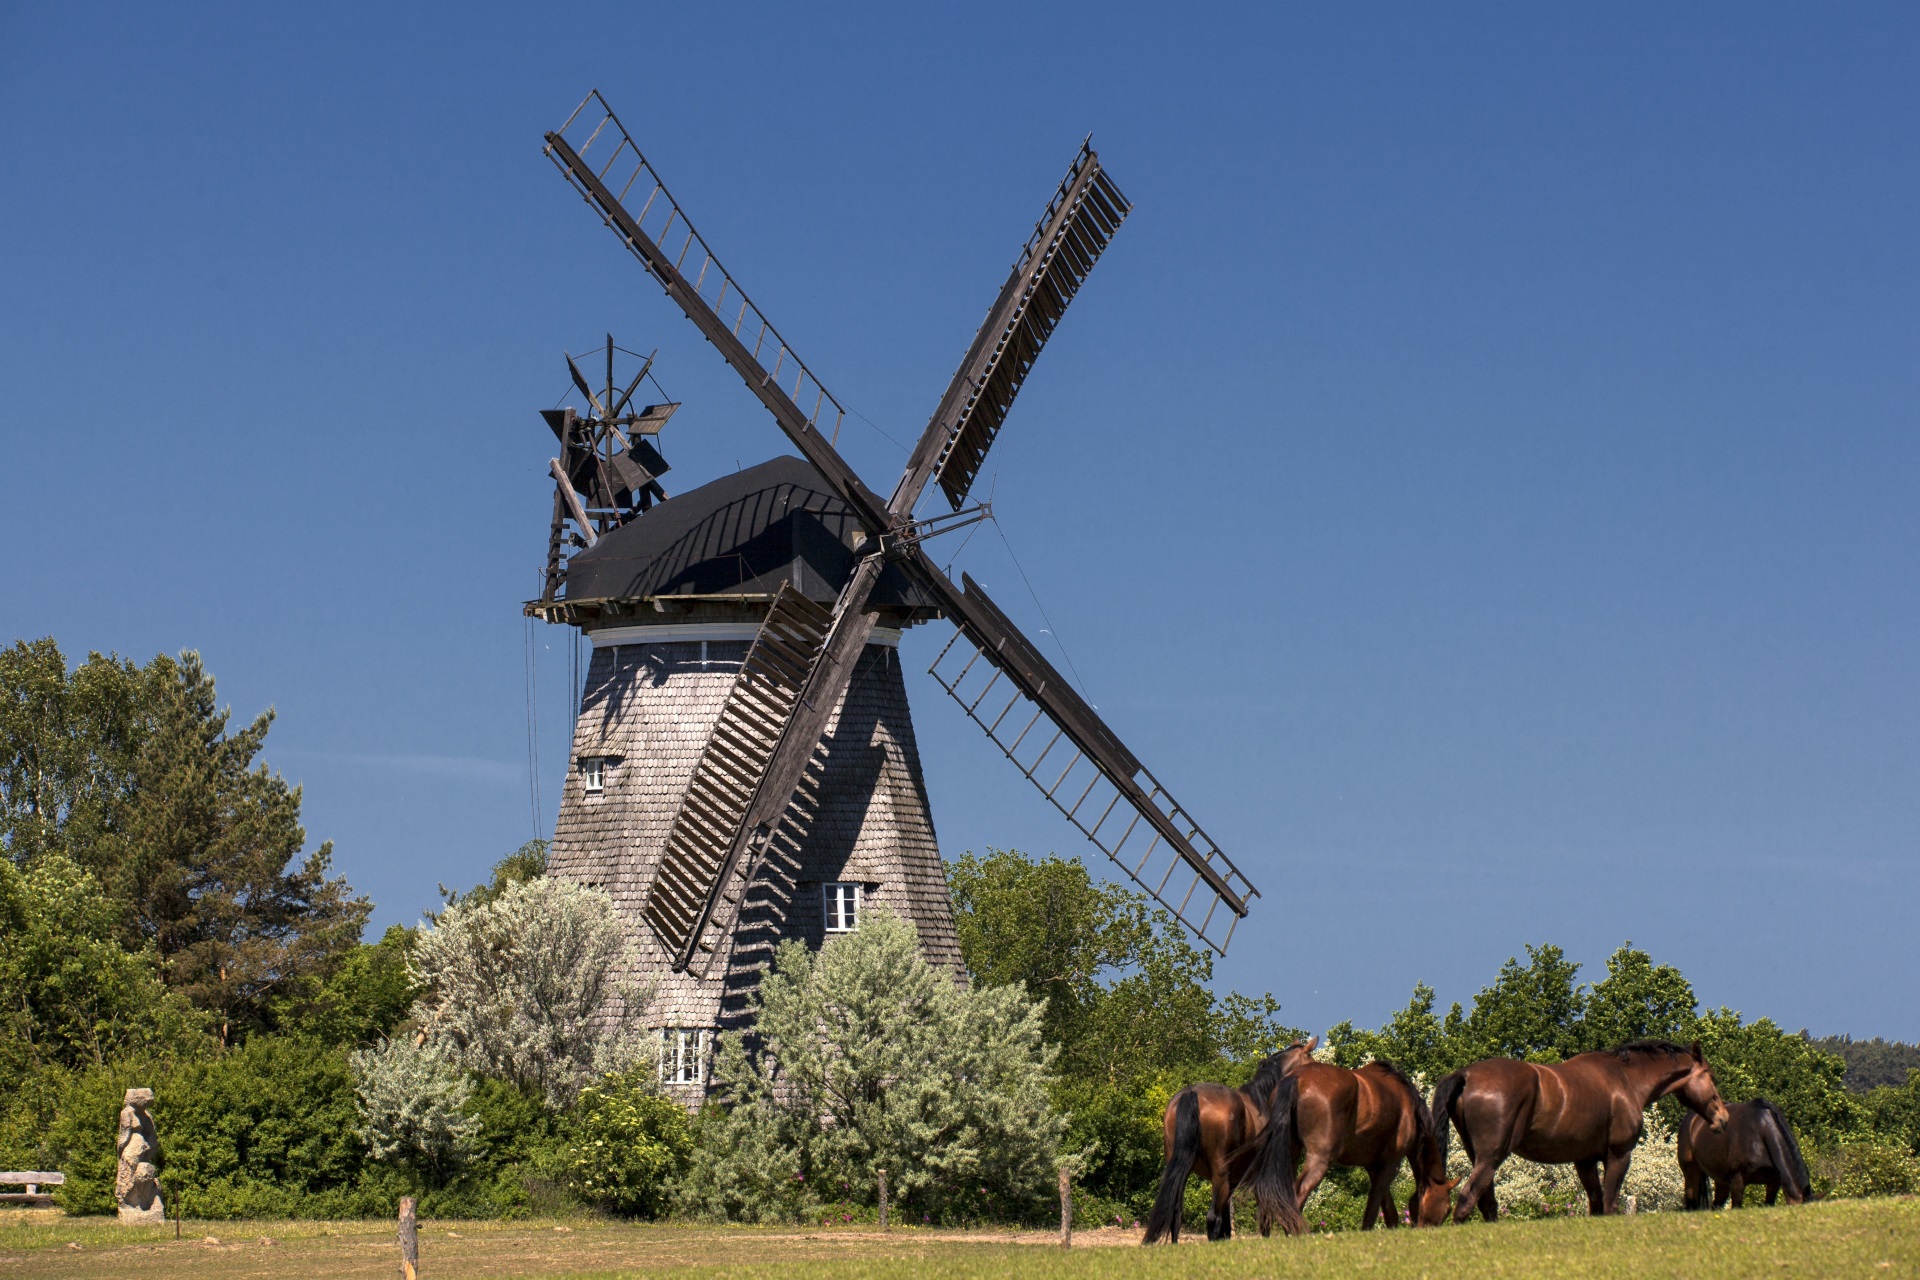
1422	1114
1650	1047
1266	1076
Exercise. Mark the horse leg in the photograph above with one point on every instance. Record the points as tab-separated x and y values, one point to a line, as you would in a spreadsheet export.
1694	1196
1220	1213
1720	1187
1380	1197
1773	1190
1737	1182
1589	1171
1477	1189
1311	1172
1616	1173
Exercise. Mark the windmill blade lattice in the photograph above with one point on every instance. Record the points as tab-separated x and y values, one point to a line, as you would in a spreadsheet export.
1062	746
664	241
1079	222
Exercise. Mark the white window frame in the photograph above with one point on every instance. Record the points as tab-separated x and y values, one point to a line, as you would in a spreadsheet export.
593	770
683	1055
835	899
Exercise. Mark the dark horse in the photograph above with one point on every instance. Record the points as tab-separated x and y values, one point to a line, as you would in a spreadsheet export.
1219	1133
1372	1119
1756	1146
1583	1111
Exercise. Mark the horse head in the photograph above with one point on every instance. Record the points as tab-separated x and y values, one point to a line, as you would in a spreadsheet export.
1297	1055
1699	1092
1432	1204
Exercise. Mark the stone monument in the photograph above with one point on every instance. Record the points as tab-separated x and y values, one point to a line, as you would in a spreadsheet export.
136	1187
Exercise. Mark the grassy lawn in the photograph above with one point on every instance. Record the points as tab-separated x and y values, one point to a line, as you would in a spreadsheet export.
1844	1238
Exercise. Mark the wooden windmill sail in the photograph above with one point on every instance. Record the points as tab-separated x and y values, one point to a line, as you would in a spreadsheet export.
803	656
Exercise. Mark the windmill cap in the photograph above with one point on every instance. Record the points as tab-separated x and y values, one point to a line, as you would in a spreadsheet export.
738	537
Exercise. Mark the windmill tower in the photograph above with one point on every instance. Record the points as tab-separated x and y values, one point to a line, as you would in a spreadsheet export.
745	768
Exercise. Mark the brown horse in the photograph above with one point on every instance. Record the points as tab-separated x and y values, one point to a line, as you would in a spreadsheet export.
1371	1119
1219	1133
1756	1146
1588	1109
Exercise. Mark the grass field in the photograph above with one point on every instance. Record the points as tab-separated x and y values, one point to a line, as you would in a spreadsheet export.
1844	1238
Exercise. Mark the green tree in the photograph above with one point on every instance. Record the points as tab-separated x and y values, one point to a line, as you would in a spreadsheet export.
266	1130
1893	1112
73	995
528	862
1413	1039
1531	1011
1637	1000
366	998
132	773
1126	995
413	1107
1873	1063
1126	998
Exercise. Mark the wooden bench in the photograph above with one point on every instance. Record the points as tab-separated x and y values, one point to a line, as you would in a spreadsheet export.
32	1182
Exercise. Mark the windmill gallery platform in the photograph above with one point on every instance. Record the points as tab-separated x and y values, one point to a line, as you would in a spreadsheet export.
671	601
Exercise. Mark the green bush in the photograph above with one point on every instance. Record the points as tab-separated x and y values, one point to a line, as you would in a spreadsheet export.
1893	1113
1855	1169
75	996
624	1145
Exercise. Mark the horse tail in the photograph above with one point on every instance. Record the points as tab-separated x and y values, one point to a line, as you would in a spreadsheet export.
1782	1148
1445	1094
1273	1184
1172	1200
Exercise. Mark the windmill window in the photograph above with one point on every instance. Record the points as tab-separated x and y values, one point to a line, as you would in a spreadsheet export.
593	771
683	1055
843	907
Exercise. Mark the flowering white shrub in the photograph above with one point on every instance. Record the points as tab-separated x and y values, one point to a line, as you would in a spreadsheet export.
531	987
870	1058
413	1105
1528	1190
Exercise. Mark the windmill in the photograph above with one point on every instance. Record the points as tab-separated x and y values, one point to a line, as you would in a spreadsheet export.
737	787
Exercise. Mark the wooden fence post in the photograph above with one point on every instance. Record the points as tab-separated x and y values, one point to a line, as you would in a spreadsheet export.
883	1200
1066	1208
409	1241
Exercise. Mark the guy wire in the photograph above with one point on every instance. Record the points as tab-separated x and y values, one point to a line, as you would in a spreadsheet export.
533	737
1051	629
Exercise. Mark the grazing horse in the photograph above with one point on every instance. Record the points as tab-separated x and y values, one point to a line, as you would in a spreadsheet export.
1371	1119
1588	1109
1219	1132
1756	1146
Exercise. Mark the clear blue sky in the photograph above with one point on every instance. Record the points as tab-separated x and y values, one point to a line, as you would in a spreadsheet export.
1480	478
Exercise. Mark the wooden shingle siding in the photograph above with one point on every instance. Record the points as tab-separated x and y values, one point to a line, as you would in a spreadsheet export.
861	815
